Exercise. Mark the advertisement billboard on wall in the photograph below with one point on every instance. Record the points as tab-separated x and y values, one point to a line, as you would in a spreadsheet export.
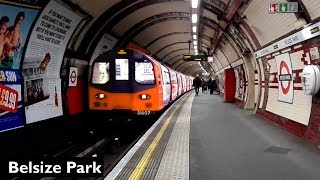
16	20
11	112
15	23
285	78
42	61
106	43
239	74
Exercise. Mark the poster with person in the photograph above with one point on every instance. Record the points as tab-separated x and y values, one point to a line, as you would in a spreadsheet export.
15	22
16	19
43	59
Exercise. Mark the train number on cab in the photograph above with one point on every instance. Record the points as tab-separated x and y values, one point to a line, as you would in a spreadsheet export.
143	113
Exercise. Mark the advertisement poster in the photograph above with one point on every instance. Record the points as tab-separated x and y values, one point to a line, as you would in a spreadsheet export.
106	43
42	62
11	112
15	23
285	79
239	74
221	81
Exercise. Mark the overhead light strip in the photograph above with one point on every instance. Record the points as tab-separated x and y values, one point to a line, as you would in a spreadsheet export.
194	24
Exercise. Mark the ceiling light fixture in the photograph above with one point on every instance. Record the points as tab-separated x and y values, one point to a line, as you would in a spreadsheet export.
194	3
194	29
194	37
194	18
195	43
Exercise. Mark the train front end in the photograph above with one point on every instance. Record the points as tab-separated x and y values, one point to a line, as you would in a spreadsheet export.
124	81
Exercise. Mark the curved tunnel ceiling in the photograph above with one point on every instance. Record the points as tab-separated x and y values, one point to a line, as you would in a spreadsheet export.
162	27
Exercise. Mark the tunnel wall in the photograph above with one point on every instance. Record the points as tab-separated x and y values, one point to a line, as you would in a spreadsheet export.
266	26
230	51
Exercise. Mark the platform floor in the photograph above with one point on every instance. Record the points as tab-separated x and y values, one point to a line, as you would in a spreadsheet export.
202	137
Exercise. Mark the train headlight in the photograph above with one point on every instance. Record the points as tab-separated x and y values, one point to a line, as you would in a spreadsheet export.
145	96
100	96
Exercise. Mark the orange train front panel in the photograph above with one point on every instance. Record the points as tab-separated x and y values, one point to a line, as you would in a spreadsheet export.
147	100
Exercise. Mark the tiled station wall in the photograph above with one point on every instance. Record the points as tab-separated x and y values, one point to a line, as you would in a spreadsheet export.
302	117
232	54
313	7
223	59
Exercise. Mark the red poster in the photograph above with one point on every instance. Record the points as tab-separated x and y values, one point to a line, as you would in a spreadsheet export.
8	99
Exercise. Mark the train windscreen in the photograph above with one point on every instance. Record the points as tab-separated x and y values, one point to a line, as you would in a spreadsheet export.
100	73
122	69
144	73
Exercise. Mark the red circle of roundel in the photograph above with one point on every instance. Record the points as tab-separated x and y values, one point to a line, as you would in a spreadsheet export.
285	90
73	76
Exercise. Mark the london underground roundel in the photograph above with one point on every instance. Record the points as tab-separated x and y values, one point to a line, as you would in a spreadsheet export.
310	79
285	77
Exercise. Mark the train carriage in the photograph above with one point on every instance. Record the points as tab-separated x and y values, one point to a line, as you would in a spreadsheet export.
131	81
126	80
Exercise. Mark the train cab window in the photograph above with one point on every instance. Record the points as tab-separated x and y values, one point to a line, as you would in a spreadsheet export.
144	73
100	73
122	69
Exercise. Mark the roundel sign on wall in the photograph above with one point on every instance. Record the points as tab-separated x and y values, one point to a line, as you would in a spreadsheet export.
310	79
285	78
73	76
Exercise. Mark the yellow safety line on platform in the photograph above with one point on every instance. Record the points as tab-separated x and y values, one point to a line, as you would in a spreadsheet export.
136	174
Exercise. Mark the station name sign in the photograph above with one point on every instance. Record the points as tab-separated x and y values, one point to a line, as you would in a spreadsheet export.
189	57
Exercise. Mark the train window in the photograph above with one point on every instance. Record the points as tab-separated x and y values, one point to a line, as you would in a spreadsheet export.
144	73
122	69
167	78
173	78
100	73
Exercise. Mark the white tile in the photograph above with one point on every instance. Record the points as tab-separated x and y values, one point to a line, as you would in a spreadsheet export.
298	111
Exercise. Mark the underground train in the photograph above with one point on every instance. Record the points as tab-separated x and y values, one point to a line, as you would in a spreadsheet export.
130	81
